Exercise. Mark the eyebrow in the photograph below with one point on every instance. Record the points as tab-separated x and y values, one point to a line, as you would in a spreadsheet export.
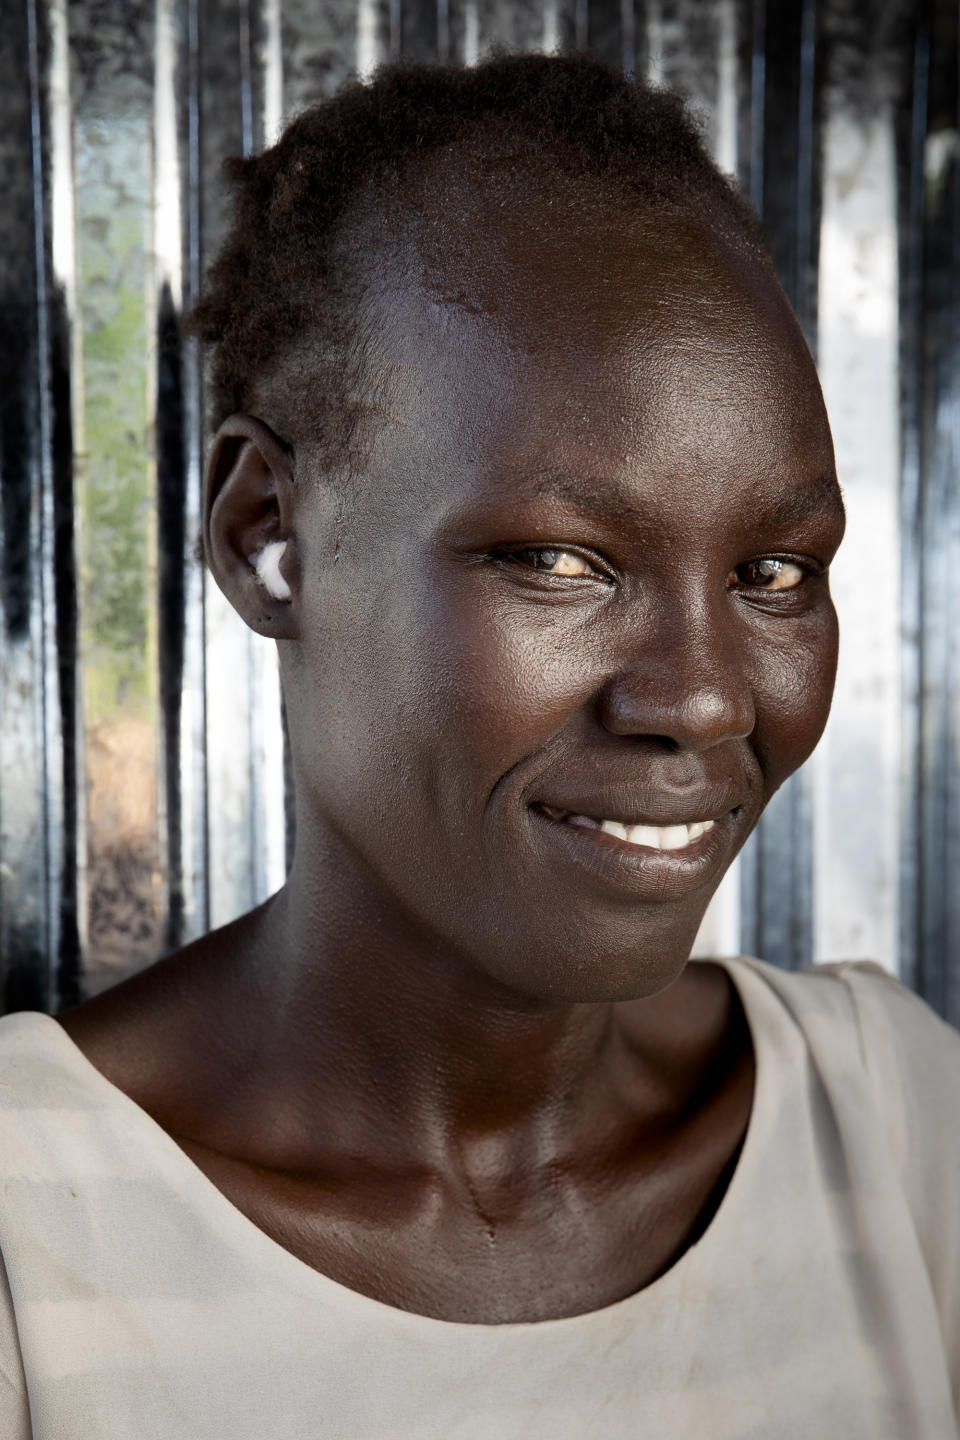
802	502
805	502
576	491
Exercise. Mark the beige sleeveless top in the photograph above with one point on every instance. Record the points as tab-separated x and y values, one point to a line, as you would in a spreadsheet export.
822	1302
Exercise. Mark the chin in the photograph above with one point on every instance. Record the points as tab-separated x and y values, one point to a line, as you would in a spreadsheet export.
592	974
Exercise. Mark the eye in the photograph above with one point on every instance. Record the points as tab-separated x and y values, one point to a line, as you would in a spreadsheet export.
566	564
770	573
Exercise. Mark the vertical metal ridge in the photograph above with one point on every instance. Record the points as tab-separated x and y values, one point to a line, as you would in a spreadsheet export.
628	41
911	137
936	421
757	105
368	49
581	24
807	158
949	415
63	351
194	768
177	439
604	31
550	34
172	547
67	958
726	136
272	62
169	461
245	53
22	868
419	29
856	769
940	556
50	920
443	31
49	672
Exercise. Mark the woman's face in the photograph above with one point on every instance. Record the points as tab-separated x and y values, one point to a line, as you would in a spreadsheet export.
580	579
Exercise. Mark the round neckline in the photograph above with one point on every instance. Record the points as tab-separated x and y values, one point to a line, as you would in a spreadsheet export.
192	1184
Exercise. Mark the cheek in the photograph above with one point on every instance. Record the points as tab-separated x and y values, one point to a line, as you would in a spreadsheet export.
793	686
424	696
515	675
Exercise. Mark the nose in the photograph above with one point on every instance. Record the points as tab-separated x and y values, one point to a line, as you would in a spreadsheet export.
682	681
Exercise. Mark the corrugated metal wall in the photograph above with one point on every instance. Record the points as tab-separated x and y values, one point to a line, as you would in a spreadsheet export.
143	795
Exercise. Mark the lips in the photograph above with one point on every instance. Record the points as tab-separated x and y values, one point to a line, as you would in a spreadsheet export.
633	858
677	835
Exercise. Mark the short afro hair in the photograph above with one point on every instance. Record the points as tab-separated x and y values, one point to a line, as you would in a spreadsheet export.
281	272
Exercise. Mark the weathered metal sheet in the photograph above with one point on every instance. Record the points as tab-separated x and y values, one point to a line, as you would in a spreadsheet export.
111	90
931	336
25	928
856	771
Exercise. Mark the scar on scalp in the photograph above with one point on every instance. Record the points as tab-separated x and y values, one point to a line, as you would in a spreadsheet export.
460	301
369	406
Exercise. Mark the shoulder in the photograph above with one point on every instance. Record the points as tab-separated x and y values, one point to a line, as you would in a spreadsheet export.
53	1106
912	1060
33	1085
40	1067
891	1069
857	1018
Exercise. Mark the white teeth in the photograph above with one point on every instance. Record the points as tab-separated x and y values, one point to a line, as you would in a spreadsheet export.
659	837
650	837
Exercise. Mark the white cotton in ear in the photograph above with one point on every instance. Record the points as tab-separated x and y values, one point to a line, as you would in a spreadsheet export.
267	565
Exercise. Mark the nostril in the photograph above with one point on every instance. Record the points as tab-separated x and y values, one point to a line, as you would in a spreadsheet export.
655	701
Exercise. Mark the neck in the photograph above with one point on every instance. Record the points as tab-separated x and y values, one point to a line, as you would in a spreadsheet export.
408	1044
416	1027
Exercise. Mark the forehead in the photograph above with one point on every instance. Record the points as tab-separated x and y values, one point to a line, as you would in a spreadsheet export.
568	325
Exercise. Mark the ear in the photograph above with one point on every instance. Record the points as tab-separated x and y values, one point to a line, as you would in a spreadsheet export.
247	524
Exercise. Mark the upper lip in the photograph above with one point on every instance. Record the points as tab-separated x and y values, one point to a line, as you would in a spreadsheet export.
647	808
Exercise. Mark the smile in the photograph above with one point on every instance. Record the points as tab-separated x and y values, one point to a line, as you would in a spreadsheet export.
648	863
644	837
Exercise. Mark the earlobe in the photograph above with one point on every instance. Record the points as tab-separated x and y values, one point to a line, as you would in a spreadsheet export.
248	523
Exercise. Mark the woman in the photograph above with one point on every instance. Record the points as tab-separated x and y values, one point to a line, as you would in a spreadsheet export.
523	462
